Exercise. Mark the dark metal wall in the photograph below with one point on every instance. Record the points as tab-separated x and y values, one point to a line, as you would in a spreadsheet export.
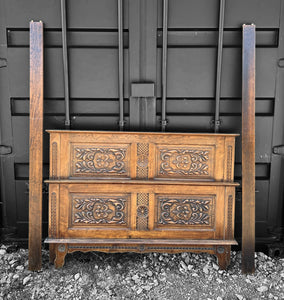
93	58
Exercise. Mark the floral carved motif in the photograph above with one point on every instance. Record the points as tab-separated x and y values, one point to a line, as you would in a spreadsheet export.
184	162
99	210
100	160
185	211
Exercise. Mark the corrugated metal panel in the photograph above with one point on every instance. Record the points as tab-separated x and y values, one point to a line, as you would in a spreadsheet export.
93	57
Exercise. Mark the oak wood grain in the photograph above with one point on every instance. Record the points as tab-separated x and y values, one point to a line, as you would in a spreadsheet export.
141	192
248	150
36	145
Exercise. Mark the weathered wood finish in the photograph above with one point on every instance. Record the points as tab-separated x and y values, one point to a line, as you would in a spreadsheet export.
248	150
141	192
36	145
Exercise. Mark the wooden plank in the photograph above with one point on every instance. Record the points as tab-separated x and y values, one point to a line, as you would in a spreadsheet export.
248	150
141	241
141	182
36	145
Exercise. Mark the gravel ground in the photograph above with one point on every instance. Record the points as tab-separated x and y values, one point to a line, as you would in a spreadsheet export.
138	276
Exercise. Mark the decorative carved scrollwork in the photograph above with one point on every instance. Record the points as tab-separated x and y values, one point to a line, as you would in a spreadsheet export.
185	211
99	210
184	162
100	160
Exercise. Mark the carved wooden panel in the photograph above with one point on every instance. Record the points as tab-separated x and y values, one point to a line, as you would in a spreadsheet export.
185	210
142	160
99	210
142	211
100	160
185	162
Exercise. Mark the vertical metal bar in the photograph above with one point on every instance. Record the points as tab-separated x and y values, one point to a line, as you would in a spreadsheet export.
219	66
65	64
120	63
248	149
35	145
164	64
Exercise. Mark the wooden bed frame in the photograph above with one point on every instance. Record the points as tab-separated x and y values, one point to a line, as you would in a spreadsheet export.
140	192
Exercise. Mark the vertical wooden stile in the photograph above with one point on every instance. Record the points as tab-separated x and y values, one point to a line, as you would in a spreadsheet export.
248	150
36	145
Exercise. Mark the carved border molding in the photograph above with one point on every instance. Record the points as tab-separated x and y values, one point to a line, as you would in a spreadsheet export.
54	160
53	212
139	248
229	163
229	229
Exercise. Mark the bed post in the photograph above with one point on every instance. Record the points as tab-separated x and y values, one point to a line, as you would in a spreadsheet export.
248	150
36	145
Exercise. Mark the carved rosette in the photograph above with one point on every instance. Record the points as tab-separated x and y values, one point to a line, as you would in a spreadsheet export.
100	160
185	211
184	162
99	210
142	211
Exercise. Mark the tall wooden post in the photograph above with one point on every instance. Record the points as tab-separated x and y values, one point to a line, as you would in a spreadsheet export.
248	150
36	145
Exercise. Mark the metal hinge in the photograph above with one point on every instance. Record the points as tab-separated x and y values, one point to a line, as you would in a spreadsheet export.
279	150
3	62
5	150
